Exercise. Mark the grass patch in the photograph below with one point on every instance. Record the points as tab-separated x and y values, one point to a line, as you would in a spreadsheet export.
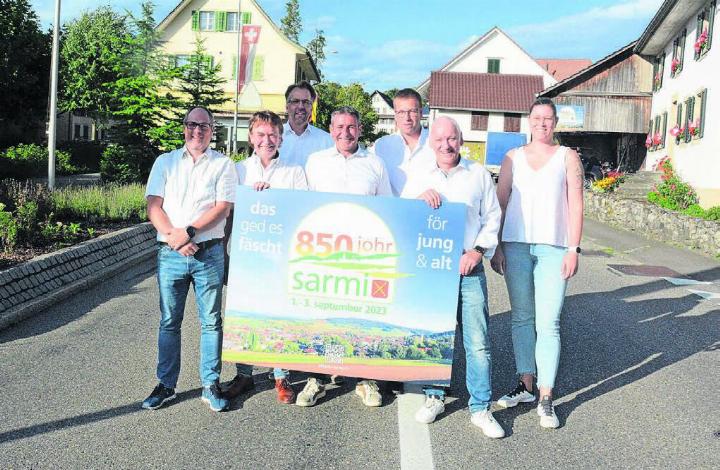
112	203
609	251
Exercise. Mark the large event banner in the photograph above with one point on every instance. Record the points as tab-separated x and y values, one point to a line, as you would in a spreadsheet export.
357	286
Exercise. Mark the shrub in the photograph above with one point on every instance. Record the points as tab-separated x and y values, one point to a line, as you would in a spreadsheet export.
672	193
8	230
32	160
695	210
85	155
713	213
109	203
121	164
15	193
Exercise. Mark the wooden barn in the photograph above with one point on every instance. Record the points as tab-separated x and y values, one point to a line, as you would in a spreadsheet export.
604	109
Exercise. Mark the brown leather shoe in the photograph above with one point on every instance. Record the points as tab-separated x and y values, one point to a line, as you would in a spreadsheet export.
285	393
237	386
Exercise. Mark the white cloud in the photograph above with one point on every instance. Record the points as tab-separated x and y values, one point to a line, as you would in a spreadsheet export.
321	22
578	35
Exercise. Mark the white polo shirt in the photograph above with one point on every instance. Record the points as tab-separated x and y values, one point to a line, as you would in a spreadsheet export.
400	160
189	189
278	173
361	173
471	184
296	149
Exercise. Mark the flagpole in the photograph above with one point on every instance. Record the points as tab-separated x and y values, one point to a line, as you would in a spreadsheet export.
52	124
237	80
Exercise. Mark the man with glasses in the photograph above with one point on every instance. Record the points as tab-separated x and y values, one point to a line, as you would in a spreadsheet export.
300	138
407	149
189	193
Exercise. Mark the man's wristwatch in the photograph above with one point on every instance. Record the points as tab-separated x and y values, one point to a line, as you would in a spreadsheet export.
190	231
479	249
574	249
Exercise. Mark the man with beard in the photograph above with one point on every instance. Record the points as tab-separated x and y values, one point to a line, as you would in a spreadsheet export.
300	138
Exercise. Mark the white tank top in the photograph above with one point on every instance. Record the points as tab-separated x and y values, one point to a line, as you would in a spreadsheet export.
537	211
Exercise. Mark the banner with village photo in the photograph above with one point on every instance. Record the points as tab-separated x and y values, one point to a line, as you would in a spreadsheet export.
357	286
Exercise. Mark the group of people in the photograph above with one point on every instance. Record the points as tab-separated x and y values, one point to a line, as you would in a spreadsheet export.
529	227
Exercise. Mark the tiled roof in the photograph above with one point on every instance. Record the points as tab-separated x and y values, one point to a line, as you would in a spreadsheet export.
563	68
483	91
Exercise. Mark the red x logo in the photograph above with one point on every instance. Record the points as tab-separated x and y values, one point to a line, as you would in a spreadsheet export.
380	289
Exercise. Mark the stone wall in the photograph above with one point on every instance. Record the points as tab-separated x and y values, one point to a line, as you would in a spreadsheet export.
654	222
35	285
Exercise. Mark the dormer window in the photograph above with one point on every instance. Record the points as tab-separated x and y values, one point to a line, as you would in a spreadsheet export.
493	66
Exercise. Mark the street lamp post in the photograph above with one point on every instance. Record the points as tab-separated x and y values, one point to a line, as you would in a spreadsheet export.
52	129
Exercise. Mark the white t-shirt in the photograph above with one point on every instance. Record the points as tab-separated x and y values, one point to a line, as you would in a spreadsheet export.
189	189
361	173
468	183
296	149
400	160
278	173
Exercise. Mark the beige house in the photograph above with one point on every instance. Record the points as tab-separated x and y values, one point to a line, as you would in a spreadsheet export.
383	107
278	61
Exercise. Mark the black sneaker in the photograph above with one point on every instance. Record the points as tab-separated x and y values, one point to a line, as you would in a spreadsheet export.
159	396
519	395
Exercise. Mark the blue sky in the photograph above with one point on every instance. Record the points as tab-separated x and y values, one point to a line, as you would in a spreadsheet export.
396	43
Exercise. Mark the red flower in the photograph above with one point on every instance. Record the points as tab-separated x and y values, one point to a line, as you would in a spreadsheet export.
675	131
657	139
648	141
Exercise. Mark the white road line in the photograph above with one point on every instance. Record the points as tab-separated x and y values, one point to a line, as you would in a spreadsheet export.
705	295
685	282
415	448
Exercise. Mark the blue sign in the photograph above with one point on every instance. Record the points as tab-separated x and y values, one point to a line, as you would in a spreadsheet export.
357	286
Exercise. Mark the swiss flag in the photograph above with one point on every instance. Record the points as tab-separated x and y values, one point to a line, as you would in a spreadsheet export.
380	289
250	38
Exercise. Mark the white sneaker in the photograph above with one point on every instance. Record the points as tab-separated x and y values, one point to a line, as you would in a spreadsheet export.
519	395
430	410
369	392
312	392
486	421
546	411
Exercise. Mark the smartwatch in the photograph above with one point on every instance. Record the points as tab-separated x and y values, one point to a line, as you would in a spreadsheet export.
575	249
190	231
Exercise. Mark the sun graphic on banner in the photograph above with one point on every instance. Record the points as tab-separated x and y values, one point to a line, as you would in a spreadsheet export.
358	264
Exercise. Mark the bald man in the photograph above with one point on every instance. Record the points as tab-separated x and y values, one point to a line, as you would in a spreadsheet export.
455	179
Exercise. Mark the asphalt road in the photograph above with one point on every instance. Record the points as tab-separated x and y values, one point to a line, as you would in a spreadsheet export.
637	388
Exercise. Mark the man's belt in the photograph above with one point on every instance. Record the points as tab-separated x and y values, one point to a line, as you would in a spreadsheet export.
204	245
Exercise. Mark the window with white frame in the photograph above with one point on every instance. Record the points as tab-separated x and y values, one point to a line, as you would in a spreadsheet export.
233	21
207	21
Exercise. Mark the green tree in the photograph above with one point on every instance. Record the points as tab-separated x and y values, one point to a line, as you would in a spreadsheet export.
391	92
291	23
316	47
332	95
24	72
93	57
145	116
199	82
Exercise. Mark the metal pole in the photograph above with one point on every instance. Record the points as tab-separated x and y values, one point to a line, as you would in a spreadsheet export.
52	128
237	81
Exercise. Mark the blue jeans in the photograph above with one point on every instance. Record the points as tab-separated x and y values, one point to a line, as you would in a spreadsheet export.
475	314
247	370
537	292
175	273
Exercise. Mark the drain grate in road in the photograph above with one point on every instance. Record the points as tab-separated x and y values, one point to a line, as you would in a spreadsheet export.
645	270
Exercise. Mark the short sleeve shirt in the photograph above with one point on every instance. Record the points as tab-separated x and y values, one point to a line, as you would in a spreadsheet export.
189	189
361	173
